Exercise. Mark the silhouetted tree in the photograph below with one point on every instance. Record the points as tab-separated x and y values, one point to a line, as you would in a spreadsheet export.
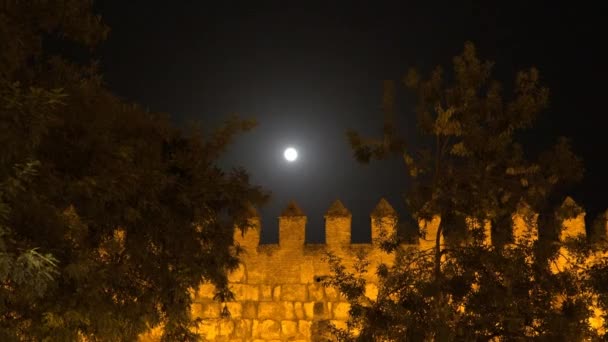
472	169
109	215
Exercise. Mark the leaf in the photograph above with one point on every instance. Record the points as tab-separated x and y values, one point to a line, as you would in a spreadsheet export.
459	149
444	125
413	170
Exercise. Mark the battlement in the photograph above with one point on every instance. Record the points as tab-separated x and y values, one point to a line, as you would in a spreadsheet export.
299	262
383	223
338	225
296	261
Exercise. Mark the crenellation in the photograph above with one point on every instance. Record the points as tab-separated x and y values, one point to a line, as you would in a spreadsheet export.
249	236
600	226
383	220
292	229
475	224
338	221
573	226
525	227
430	228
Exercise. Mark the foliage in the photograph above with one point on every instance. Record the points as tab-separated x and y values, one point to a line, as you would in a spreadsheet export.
26	270
471	167
110	215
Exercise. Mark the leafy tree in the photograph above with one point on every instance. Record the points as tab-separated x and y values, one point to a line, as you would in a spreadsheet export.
471	169
109	215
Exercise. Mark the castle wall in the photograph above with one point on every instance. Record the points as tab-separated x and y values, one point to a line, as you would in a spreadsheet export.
278	290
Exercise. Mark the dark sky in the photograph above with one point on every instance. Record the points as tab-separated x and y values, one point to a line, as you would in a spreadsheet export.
307	73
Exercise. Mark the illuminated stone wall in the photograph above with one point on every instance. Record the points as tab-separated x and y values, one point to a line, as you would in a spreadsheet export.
278	295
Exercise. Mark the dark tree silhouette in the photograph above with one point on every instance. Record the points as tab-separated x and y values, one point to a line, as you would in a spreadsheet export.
109	215
473	170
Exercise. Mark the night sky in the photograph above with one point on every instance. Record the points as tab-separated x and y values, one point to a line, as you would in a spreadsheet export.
308	73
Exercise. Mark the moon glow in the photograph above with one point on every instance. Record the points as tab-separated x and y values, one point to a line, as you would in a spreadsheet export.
290	154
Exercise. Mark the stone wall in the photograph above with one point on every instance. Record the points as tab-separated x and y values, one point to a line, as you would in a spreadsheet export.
278	291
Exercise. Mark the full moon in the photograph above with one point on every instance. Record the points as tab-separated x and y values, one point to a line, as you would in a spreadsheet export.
290	154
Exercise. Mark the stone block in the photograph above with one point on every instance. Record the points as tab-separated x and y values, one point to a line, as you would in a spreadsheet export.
209	329
255	328
206	291
298	309
289	329
339	324
288	311
270	310
226	327
294	292
265	292
196	310
249	310
276	293
333	294
316	292
304	328
320	330
238	275
308	310
340	310
319	310
242	328
270	329
206	310
235	308
245	292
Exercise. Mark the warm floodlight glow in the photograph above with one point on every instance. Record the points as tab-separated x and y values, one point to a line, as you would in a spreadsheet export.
290	154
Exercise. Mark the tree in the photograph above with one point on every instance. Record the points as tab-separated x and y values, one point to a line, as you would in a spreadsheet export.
472	171
110	215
